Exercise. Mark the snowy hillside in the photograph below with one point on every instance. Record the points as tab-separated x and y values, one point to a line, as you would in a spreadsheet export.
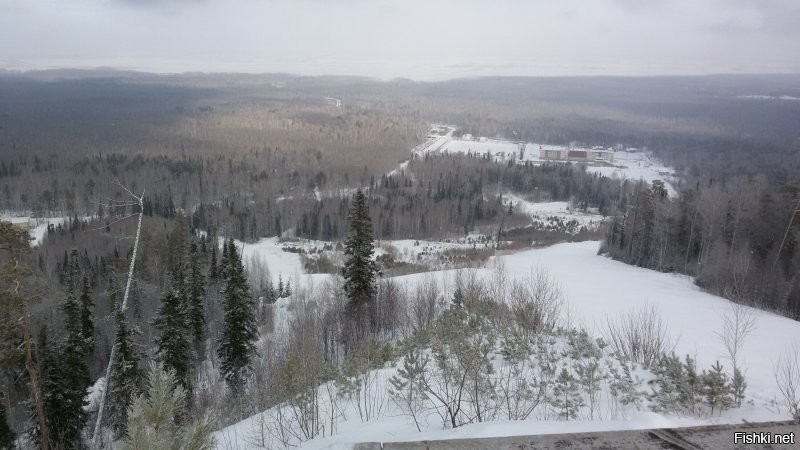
595	289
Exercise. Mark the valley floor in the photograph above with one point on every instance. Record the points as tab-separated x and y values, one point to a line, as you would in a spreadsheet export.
595	288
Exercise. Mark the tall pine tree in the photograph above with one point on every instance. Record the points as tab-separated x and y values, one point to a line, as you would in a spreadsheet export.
152	418
86	316
212	266
73	358
63	403
196	294
222	270
173	344
127	376
239	332
359	268
7	435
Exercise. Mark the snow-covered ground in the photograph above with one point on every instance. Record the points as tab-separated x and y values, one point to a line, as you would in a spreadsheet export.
282	258
496	148
595	288
554	214
631	165
281	264
38	225
270	252
637	165
430	253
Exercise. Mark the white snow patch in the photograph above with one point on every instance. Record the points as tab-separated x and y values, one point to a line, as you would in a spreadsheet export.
270	251
595	288
93	394
630	165
638	166
546	213
37	226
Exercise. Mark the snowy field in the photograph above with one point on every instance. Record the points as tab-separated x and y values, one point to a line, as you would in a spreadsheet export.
430	253
595	288
280	264
38	225
496	148
276	257
629	165
638	166
553	214
633	165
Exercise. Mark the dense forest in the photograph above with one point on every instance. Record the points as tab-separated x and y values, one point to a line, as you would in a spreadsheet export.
223	157
740	239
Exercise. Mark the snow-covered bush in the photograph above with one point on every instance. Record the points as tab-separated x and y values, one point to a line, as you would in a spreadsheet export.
640	336
360	382
152	418
678	388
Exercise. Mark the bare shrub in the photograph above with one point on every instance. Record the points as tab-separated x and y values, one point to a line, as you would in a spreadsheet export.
389	300
407	389
498	287
737	323
422	310
536	302
361	383
787	377
258	276
518	393
639	336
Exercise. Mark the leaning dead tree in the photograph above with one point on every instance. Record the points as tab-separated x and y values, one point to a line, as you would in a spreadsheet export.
134	201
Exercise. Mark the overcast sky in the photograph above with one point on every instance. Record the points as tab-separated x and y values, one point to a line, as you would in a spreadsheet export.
420	39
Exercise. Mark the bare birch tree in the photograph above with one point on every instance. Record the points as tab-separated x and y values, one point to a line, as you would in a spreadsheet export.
134	202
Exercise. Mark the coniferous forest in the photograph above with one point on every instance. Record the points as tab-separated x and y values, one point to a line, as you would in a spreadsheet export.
137	319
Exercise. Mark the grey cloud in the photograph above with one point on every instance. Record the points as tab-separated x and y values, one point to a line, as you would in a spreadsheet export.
408	38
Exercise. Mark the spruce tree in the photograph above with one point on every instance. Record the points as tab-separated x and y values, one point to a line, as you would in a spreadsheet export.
270	295
63	404
176	251
196	294
86	316
174	342
126	375
212	267
7	435
566	395
239	332
359	268
287	289
223	263
73	358
716	389
738	387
